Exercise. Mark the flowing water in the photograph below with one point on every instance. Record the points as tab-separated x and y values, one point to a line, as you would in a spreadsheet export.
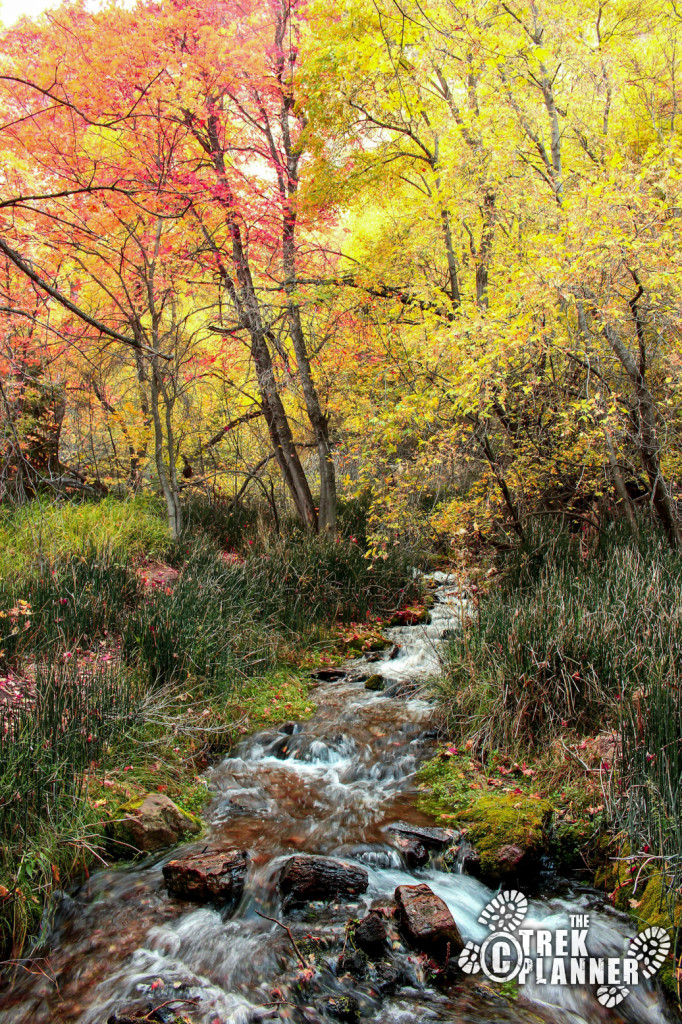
329	786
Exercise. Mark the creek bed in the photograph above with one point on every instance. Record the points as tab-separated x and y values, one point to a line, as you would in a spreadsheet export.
330	786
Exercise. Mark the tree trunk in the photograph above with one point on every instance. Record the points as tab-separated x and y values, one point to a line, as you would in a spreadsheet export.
287	178
245	301
649	444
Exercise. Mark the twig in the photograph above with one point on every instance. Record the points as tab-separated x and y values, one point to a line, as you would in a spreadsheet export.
169	1002
578	759
288	931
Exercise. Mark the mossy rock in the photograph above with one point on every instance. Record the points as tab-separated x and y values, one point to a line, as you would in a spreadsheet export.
411	616
379	644
510	833
150	822
653	908
648	905
314	947
375	682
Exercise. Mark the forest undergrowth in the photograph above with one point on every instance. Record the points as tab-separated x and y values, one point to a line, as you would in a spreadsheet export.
126	663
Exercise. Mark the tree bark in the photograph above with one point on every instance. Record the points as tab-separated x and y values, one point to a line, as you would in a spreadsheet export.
245	301
649	444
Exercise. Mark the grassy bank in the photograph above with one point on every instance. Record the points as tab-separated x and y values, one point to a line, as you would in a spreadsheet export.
126	662
564	688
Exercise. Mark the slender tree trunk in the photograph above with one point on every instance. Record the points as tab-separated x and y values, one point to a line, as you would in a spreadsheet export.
619	483
502	484
288	187
172	502
649	445
318	420
244	298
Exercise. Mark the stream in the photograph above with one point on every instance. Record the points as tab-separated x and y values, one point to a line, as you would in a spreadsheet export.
330	786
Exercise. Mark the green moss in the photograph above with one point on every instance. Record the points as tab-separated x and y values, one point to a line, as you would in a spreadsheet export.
375	682
130	805
445	786
380	644
496	821
279	696
654	908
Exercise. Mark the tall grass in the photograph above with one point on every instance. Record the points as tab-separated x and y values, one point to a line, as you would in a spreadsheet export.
43	531
566	640
48	744
69	602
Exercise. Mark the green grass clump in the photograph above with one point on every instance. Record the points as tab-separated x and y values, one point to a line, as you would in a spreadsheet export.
43	531
47	747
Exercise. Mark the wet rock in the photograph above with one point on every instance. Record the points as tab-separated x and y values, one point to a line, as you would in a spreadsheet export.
371	934
314	947
320	878
384	905
388	978
289	728
343	1008
511	859
280	747
426	922
353	962
329	675
415	853
375	656
394	652
428	835
464	858
151	823
375	682
214	876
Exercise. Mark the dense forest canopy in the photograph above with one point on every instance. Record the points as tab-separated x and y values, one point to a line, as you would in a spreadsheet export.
425	249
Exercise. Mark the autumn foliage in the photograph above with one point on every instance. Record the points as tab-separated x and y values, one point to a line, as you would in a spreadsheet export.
424	249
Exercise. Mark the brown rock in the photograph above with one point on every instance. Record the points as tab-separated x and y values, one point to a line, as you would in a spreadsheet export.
371	934
511	859
416	855
329	675
152	822
320	878
216	876
430	836
426	922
